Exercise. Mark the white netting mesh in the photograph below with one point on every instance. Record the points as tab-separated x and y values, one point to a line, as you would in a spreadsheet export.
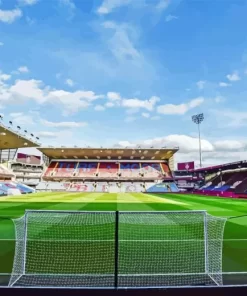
170	249
77	249
65	249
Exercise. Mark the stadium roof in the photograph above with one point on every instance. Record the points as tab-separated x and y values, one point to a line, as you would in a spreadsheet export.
232	165
109	153
10	139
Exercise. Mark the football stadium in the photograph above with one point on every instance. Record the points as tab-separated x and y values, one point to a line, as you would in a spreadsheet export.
114	218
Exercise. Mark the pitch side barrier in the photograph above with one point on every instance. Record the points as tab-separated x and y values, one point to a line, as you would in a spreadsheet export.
117	250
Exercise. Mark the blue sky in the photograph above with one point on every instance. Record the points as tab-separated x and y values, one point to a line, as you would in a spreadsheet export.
124	72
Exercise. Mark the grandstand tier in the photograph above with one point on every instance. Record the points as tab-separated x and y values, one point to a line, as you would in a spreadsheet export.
111	186
107	170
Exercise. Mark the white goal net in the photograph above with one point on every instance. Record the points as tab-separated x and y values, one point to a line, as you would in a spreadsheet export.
117	249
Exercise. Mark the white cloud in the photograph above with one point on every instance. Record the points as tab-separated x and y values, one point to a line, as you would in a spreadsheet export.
218	152
200	84
9	16
63	124
227	145
23	69
99	108
113	96
21	118
69	82
146	115
45	134
4	77
137	103
109	105
233	77
16	114
120	43
232	118
28	2
108	6
26	89
171	17
1	44
224	84
185	143
35	90
170	109
162	5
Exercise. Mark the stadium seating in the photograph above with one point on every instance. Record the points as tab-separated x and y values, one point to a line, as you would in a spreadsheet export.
24	189
9	188
64	169
42	186
166	171
151	171
81	187
50	169
102	187
161	187
113	187
130	170
132	187
242	186
108	170
95	175
5	173
86	170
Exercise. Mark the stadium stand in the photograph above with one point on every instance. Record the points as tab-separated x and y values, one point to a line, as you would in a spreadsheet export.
86	170
228	180
9	189
111	174
5	173
27	174
14	188
108	170
10	141
113	187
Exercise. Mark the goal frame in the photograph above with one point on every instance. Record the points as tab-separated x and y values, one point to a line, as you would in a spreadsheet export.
116	273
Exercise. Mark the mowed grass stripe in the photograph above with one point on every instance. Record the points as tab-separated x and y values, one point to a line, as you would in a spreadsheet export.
214	207
233	252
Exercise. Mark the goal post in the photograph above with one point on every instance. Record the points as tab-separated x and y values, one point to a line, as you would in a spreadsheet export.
76	249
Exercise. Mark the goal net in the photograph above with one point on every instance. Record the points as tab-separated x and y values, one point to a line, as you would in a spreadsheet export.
117	249
167	249
64	249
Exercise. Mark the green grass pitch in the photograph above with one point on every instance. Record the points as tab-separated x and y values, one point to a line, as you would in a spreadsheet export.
235	235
